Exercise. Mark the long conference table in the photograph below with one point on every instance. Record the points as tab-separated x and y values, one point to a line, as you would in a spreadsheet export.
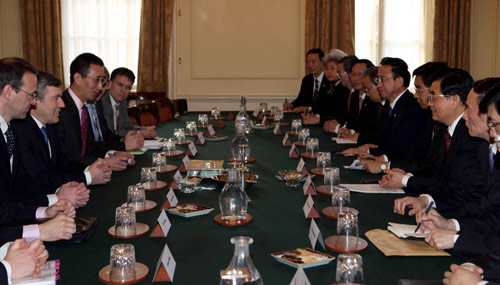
201	247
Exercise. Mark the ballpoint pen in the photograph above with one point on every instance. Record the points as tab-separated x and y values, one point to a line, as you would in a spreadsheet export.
427	210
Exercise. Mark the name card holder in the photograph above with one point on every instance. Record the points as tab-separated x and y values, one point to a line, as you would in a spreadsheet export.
309	188
191	151
162	226
310	209
170	200
184	164
200	139
315	235
294	152
165	268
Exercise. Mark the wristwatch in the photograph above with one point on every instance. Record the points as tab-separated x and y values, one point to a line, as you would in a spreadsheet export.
383	166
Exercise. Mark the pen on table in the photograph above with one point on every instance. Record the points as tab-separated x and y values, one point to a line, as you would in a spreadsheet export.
427	210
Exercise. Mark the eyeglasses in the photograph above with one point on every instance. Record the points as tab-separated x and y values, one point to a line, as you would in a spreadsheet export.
369	88
415	89
97	80
431	97
33	95
341	73
492	126
382	79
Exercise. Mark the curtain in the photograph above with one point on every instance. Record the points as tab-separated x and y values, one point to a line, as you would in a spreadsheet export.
41	35
330	24
154	45
452	32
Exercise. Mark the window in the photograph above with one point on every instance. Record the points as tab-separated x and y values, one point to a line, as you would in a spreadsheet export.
106	28
394	28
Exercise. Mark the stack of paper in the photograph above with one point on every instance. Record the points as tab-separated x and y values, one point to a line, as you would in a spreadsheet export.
152	144
405	231
372	188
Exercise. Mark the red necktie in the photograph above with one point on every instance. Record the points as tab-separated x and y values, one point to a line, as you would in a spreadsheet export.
447	141
84	129
360	102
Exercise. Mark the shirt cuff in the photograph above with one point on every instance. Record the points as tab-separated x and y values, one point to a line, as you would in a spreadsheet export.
337	129
429	199
52	199
4	249
457	224
88	177
385	158
352	132
31	232
405	179
483	282
40	212
8	268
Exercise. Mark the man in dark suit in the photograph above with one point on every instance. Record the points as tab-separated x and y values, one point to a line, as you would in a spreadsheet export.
18	85
114	104
311	83
40	151
75	131
480	271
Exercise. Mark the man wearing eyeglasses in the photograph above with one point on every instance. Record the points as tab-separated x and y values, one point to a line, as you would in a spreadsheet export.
114	104
77	139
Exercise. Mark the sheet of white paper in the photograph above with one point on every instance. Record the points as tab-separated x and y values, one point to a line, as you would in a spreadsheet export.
372	188
152	144
353	166
344	141
405	231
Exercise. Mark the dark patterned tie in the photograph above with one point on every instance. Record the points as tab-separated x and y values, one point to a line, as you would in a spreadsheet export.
83	121
10	141
117	117
44	133
447	141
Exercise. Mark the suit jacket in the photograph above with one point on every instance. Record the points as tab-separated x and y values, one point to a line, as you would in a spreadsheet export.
402	128
491	266
364	120
372	128
335	103
454	181
52	169
70	138
3	275
305	96
123	119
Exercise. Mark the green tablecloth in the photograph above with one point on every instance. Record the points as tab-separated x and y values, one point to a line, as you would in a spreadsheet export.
202	248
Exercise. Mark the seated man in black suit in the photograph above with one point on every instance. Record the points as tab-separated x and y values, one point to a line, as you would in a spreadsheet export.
21	259
40	151
75	131
18	86
311	83
412	157
114	104
403	119
479	271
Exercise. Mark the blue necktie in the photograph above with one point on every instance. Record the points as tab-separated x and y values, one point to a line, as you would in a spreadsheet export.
10	141
390	111
492	159
44	133
96	129
316	89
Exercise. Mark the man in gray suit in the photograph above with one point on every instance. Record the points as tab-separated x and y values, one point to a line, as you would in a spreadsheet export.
114	104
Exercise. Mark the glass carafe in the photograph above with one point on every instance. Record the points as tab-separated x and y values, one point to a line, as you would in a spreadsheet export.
233	199
242	119
240	148
241	269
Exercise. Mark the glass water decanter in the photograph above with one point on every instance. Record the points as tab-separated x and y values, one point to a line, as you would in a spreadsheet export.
233	199
240	147
241	269
242	119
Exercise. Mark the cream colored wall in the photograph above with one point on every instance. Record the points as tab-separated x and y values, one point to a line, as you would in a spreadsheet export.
485	39
229	48
10	29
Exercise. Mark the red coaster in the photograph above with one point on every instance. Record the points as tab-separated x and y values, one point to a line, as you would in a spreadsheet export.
174	153
300	143
203	126
317	171
250	159
218	118
332	212
341	244
291	133
141	272
167	168
184	142
232	223
324	189
309	155
192	135
140	228
150	205
152	186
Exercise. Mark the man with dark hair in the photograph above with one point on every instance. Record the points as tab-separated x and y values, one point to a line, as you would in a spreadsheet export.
311	83
114	104
75	129
40	152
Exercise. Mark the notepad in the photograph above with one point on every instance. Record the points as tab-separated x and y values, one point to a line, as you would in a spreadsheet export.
372	189
344	141
406	231
152	144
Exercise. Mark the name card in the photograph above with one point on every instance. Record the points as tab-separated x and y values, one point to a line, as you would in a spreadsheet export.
294	152
255	113
308	187
200	139
300	277
263	122
184	164
315	235
301	165
163	225
171	198
210	130
277	130
286	141
192	151
309	208
177	177
166	266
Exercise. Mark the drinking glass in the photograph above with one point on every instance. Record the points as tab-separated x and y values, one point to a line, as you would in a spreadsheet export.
349	269
312	145
341	198
331	176
274	109
125	221
323	160
148	176
215	112
122	263
263	107
169	145
278	116
191	128
160	160
296	125
179	134
203	119
304	134
136	197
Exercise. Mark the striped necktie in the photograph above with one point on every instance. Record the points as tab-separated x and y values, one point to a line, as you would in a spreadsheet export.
83	126
10	141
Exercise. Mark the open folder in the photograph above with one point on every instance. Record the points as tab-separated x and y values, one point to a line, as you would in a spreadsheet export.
405	231
391	245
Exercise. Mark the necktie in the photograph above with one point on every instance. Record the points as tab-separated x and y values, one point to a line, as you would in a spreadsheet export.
379	111
44	133
10	141
83	126
390	111
492	158
360	102
94	120
447	141
117	117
